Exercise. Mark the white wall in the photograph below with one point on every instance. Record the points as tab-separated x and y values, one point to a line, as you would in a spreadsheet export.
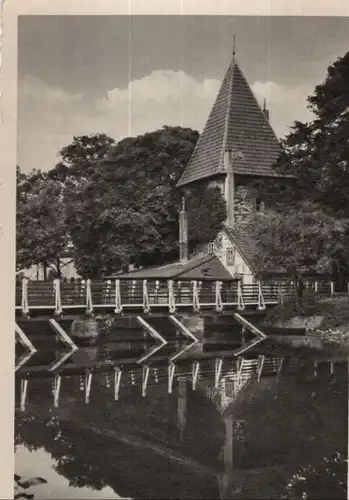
240	266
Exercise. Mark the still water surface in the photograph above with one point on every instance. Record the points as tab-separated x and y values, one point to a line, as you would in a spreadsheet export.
182	441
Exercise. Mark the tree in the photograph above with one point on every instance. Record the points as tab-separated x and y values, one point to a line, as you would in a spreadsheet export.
41	234
126	210
317	155
317	152
78	157
304	240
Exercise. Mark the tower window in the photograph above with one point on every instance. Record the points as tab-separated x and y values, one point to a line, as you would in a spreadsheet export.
259	205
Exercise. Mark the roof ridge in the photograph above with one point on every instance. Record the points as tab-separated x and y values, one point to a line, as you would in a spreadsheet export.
257	103
195	264
229	232
227	113
235	120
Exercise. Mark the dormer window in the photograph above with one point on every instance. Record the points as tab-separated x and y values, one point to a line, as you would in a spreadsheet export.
259	206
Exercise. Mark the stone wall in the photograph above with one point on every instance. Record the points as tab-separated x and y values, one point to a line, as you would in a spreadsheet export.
245	203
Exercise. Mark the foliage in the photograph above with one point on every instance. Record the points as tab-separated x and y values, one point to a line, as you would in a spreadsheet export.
327	481
117	203
78	157
317	152
126	211
41	231
305	239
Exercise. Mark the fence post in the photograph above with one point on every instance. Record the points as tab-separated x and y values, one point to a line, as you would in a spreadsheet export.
261	303
171	298
89	305
25	306
196	299
146	306
218	297
332	288
58	303
241	305
118	305
316	286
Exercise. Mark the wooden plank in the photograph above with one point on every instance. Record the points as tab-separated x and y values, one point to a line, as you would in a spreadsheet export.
23	339
249	325
64	336
187	333
152	332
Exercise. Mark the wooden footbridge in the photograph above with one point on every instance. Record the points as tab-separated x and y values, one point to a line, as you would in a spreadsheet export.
148	296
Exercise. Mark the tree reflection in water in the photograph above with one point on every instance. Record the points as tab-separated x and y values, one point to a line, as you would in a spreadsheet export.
292	421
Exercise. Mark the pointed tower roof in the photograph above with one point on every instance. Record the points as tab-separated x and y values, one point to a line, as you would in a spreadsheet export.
236	122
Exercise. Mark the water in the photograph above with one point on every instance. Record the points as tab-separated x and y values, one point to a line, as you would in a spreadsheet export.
195	429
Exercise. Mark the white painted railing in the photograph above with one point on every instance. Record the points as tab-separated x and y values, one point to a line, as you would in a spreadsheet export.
149	295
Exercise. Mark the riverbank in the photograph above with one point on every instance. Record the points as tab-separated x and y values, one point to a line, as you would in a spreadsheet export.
326	320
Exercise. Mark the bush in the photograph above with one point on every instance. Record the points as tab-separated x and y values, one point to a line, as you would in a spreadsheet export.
326	481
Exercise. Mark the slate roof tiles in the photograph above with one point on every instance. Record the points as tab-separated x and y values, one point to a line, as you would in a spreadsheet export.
236	122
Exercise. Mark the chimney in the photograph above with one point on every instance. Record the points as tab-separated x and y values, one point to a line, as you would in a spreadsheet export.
183	233
265	110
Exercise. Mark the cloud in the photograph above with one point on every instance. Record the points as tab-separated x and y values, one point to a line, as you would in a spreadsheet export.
161	98
286	103
49	117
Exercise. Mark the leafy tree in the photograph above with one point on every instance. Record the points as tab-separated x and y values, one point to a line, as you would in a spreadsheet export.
317	155
317	152
78	157
306	239
126	210
41	231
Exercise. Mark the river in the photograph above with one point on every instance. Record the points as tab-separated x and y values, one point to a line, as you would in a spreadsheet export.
193	432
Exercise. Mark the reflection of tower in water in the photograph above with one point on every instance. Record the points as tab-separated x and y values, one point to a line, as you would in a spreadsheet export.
226	480
182	406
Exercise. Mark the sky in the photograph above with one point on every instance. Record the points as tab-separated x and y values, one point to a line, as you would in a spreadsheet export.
124	76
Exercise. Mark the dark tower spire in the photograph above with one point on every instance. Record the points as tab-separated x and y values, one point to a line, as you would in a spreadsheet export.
265	110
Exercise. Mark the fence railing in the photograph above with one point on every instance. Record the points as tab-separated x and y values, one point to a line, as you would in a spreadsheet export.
118	295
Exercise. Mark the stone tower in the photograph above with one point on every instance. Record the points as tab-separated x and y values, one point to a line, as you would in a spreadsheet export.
236	147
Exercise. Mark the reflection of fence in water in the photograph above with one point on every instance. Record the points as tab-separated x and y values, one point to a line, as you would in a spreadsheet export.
221	384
